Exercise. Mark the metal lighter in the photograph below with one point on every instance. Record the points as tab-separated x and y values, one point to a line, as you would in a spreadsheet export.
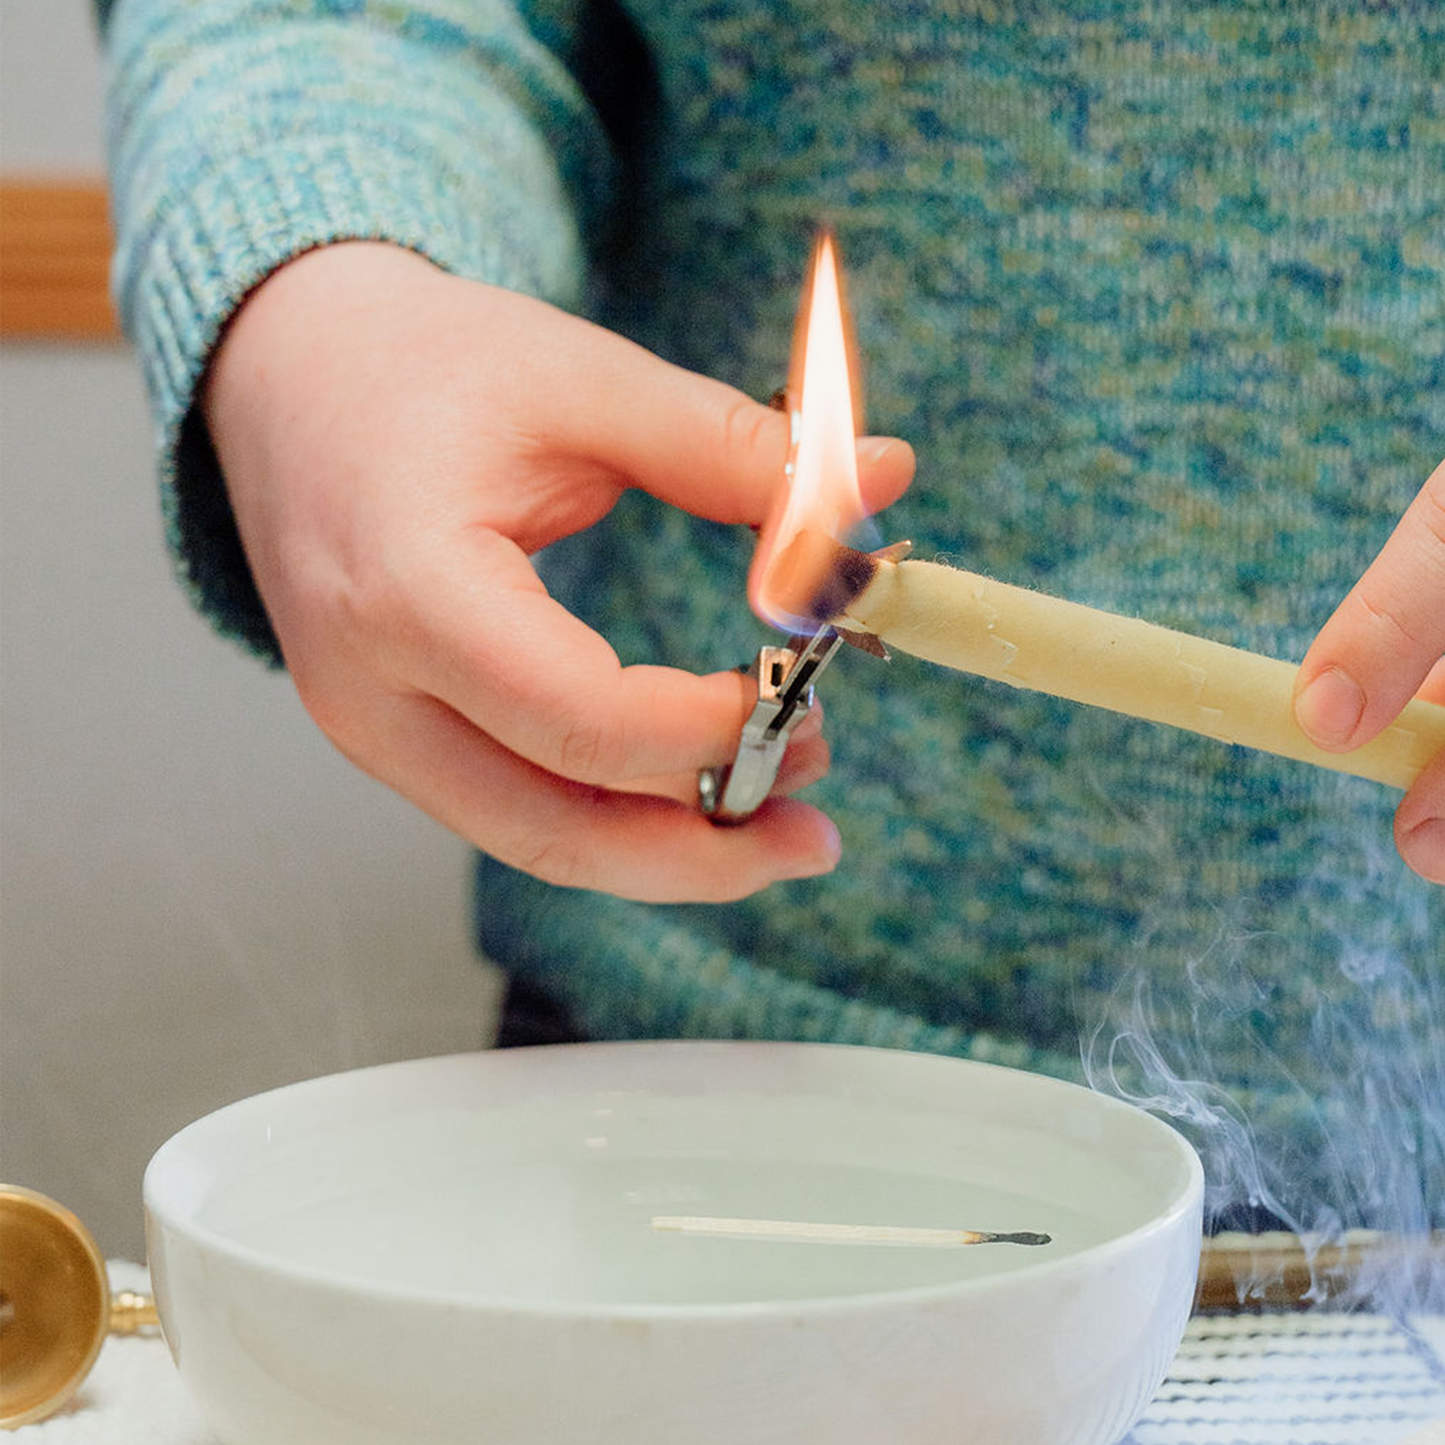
785	678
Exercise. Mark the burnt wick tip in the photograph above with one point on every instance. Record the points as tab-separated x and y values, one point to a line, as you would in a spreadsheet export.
816	577
1020	1237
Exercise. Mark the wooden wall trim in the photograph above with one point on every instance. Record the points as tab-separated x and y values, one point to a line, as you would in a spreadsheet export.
55	247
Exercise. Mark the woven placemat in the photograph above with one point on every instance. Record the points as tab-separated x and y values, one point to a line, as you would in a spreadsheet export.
1301	1378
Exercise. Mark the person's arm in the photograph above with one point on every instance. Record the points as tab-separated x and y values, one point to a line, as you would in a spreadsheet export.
396	440
1384	645
242	134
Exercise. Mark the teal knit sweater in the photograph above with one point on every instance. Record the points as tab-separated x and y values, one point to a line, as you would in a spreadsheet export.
1156	288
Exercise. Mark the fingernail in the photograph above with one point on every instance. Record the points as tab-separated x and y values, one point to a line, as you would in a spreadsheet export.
1423	848
872	450
1330	708
824	857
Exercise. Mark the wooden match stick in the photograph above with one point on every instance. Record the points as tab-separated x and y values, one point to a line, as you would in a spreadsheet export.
1031	640
815	1233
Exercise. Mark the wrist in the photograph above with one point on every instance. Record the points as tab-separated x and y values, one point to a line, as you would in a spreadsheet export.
304	312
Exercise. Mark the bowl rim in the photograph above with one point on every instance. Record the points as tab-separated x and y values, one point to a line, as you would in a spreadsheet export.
1187	1199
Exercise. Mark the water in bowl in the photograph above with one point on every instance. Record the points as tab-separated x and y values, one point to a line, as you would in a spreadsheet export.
549	1201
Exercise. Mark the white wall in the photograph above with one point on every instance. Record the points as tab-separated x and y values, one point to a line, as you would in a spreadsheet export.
198	898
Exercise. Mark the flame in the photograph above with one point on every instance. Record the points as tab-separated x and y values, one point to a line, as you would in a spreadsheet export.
820	484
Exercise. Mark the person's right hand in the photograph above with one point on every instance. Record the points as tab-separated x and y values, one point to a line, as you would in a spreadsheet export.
396	443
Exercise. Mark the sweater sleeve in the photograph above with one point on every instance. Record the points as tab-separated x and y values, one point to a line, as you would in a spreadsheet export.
244	132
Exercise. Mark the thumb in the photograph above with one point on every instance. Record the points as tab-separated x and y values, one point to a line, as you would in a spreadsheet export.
1385	637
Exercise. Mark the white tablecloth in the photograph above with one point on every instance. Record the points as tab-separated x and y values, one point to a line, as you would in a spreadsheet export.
133	1396
1284	1379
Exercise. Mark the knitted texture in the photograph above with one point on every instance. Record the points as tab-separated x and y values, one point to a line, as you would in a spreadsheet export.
244	133
1156	290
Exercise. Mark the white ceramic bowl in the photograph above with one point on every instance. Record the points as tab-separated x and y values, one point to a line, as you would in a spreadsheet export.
461	1250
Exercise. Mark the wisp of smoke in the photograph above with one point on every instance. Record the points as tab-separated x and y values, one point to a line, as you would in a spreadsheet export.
1336	1124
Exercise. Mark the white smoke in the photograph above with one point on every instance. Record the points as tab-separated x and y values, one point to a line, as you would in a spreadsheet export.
1351	1136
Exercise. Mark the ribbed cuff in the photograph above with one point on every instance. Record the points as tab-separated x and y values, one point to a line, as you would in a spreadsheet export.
241	219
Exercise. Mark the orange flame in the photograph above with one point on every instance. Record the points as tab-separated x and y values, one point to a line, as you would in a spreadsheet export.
820	484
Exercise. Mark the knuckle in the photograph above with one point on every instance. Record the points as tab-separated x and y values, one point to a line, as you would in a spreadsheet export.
589	750
315	695
329	707
552	858
1385	620
753	431
1376	609
593	747
346	639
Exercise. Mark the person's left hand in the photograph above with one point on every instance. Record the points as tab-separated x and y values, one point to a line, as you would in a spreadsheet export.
1384	645
397	444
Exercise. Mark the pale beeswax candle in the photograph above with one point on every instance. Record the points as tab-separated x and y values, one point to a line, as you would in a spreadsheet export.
1032	640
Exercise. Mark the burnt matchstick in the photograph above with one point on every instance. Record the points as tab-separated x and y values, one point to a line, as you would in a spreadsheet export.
799	1231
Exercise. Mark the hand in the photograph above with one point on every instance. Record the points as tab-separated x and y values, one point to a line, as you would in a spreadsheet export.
396	443
1384	645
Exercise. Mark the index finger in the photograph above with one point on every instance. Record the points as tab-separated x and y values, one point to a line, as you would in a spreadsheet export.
700	444
688	439
1371	657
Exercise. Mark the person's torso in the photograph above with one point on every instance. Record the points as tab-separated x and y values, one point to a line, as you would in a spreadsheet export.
1157	292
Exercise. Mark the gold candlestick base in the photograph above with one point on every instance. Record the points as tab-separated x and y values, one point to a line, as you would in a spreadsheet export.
55	1306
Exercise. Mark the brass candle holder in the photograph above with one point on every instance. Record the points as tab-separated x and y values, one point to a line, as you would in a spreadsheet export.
56	1308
